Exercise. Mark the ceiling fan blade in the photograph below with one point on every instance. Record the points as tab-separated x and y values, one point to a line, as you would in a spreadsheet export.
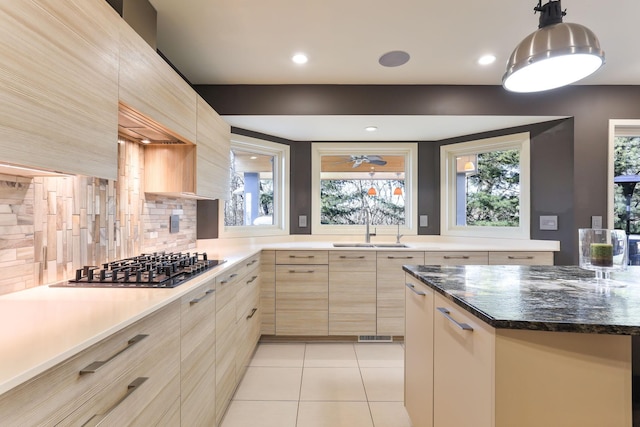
378	162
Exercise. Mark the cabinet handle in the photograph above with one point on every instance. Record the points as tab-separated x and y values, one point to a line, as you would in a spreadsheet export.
252	279
303	271
456	257
399	257
351	257
94	366
446	313
252	313
252	262
227	280
520	257
95	420
296	256
413	288
206	294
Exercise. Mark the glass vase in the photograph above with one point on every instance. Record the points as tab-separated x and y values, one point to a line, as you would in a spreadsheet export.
602	251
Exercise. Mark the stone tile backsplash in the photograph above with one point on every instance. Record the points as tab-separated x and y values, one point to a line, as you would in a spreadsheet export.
50	226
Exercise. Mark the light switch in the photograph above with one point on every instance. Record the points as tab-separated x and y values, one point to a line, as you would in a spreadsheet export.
596	222
302	221
424	220
548	222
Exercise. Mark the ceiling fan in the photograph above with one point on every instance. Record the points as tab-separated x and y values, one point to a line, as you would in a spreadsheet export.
360	159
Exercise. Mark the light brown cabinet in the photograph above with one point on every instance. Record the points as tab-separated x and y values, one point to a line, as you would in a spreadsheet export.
268	292
213	146
198	356
59	86
521	258
391	290
487	377
302	293
352	293
130	378
456	258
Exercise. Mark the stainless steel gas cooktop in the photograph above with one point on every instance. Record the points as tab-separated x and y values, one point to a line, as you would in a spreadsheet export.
156	270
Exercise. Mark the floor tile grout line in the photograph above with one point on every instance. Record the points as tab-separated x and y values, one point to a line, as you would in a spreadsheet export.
304	357
364	387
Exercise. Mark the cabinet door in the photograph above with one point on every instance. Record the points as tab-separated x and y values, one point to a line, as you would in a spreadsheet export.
302	257
418	353
352	293
198	355
59	86
268	292
150	86
463	365
213	148
521	258
391	290
302	300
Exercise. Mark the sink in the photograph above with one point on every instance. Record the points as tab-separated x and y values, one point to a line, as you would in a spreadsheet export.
370	245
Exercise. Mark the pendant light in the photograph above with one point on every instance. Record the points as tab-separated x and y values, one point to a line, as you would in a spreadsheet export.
469	166
398	190
555	55
372	191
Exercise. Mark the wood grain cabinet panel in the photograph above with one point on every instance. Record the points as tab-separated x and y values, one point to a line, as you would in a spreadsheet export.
268	292
80	391
213	139
150	86
198	356
456	258
352	293
59	86
302	257
302	299
391	289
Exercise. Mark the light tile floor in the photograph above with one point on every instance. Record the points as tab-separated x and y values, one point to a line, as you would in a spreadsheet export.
321	385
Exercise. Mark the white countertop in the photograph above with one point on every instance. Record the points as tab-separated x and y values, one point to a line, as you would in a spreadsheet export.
44	326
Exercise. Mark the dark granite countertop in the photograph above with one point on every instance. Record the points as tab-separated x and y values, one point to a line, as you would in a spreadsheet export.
546	298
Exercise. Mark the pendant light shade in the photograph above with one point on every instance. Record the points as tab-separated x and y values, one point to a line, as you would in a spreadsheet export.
469	166
397	191
555	55
372	192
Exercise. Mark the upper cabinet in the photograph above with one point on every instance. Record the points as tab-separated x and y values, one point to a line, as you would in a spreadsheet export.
150	86
213	153
59	86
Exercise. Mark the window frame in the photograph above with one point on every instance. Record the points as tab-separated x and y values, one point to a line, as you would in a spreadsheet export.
448	171
408	149
281	168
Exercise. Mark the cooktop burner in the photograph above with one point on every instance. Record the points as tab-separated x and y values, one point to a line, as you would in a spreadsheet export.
156	270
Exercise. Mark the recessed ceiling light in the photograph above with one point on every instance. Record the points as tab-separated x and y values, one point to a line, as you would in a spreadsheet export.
395	58
371	128
146	141
253	157
299	58
487	59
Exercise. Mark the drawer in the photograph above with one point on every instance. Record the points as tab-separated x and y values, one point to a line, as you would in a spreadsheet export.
226	285
248	295
521	258
345	261
303	287
79	381
456	258
302	257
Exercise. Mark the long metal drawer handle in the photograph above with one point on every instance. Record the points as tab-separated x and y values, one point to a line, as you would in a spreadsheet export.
206	294
446	313
298	271
252	279
95	420
296	256
351	257
399	257
456	257
413	288
520	257
94	366
252	262
252	313
227	280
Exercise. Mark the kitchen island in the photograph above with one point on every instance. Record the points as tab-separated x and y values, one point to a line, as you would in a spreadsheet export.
519	346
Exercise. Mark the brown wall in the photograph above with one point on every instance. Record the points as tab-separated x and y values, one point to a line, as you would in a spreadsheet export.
584	157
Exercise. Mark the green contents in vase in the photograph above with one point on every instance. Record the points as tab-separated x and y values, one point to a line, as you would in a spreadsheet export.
602	255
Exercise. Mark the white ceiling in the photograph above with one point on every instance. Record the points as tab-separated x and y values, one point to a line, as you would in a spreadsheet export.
251	42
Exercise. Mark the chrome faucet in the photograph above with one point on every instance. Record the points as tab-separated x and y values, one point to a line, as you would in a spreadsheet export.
367	235
398	235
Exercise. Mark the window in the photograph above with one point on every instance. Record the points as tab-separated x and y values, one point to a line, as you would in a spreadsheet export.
256	204
485	187
355	182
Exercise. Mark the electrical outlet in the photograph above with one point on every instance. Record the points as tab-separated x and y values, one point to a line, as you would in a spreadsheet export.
548	222
424	220
302	221
596	221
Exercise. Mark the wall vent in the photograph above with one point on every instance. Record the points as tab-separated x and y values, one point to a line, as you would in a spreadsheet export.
375	338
